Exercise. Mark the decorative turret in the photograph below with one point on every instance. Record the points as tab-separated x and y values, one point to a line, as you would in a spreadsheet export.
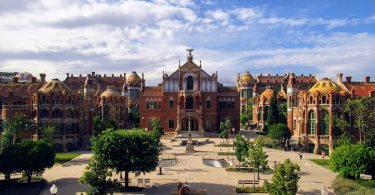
291	99
88	89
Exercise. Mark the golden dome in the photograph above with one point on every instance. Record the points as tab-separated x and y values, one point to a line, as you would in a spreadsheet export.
325	85
267	93
247	77
110	92
55	85
134	77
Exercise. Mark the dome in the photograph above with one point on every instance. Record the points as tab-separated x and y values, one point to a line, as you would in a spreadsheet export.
325	85
247	77
134	77
110	92
55	85
267	93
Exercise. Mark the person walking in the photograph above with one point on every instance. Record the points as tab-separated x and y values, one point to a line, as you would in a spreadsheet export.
300	155
323	154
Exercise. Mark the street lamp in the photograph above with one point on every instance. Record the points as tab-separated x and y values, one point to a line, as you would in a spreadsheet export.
324	191
233	136
53	189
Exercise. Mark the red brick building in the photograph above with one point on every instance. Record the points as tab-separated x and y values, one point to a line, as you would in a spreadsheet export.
190	93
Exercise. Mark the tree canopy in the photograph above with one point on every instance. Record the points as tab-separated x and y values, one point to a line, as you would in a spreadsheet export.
273	110
242	148
129	151
157	129
256	156
284	180
18	124
27	156
225	128
351	160
279	132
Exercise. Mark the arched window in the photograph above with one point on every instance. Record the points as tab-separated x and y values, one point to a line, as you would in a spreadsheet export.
44	113
189	83
189	103
56	113
311	124
69	114
208	124
324	123
311	100
208	103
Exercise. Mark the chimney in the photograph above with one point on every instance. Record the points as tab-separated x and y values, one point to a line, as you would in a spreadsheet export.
105	75
93	74
33	79
80	75
367	79
42	77
113	75
277	75
269	75
339	78
292	79
310	75
301	75
120	75
348	79
71	75
15	79
67	75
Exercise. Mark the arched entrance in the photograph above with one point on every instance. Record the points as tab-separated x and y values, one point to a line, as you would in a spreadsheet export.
194	125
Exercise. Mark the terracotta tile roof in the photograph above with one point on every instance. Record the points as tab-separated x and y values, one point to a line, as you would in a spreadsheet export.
227	89
360	88
18	89
153	89
77	83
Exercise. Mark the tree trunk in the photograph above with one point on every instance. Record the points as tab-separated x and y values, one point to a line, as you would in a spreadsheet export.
29	177
258	173
126	179
254	177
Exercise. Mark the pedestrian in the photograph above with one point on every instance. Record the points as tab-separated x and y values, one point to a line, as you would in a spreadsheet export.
323	154
300	155
186	188
275	165
179	189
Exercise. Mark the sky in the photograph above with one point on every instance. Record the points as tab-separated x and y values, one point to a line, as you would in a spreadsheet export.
320	37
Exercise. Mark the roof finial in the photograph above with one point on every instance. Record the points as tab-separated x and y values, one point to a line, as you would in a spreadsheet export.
190	57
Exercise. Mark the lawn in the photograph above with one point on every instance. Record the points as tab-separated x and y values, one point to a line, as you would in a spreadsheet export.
321	162
61	158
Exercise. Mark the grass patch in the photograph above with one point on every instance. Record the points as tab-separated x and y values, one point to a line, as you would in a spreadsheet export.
347	186
250	190
61	158
324	163
223	145
226	153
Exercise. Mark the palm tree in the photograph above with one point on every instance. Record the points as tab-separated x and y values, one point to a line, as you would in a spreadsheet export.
18	124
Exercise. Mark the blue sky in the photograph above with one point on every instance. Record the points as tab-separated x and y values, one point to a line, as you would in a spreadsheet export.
317	37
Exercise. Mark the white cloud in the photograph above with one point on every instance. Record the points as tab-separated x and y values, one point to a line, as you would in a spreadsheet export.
83	36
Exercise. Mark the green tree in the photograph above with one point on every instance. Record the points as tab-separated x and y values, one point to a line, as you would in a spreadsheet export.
242	148
256	156
18	124
47	133
284	180
280	133
244	119
362	110
273	111
129	151
157	129
225	129
103	124
98	177
250	103
29	157
6	140
283	114
351	160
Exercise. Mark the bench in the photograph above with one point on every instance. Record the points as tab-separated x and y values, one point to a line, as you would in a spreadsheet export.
243	182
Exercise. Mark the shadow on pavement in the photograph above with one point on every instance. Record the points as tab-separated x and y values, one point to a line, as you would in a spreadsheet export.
166	189
66	186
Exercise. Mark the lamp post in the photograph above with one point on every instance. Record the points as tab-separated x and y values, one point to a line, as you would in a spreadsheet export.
53	189
324	191
233	136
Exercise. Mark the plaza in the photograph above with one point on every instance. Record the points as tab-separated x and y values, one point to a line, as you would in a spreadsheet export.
190	168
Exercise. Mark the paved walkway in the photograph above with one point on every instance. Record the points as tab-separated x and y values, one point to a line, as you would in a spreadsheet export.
190	168
66	176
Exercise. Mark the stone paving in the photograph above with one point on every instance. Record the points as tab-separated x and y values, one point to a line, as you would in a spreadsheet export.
190	168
